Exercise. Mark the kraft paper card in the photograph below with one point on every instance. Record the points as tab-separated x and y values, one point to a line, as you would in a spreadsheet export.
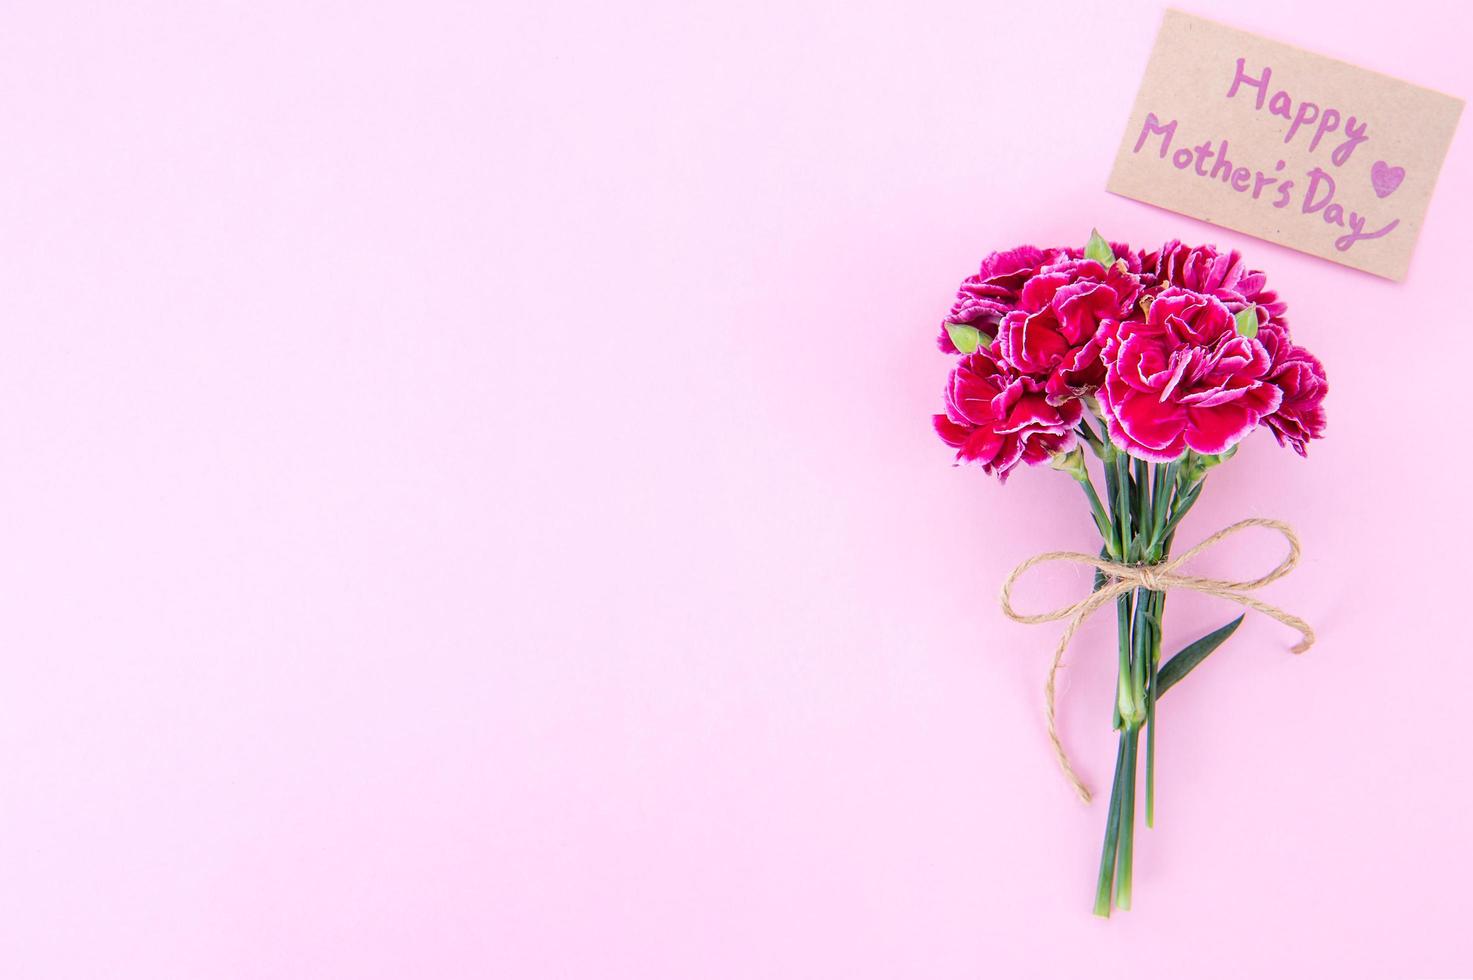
1293	147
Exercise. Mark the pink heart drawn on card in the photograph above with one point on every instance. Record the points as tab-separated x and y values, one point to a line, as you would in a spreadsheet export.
1385	178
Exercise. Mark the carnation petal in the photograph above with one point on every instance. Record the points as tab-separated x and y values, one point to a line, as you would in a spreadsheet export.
1213	430
1039	291
951	433
1149	422
981	446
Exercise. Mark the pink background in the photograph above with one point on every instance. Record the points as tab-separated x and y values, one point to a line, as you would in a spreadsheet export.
470	510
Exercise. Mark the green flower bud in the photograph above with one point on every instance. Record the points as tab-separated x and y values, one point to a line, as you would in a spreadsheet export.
1194	466
1072	463
967	338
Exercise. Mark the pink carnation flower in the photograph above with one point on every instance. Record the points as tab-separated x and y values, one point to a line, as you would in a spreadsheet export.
1153	334
996	419
1053	334
1301	377
1183	378
981	300
1204	269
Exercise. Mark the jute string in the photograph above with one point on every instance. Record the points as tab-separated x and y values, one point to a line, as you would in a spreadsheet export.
1122	579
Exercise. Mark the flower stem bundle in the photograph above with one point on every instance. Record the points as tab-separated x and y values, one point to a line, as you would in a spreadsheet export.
1159	363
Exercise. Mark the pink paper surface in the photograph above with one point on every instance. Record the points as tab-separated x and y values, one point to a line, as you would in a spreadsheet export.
471	511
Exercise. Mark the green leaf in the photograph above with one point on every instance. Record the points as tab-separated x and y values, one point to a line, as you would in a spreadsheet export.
1098	249
1247	321
967	339
1191	655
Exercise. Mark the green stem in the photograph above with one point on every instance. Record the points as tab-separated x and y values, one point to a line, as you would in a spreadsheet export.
1151	753
1161	499
1181	505
1142	498
1102	519
1140	635
1122	507
1137	517
1124	875
1105	886
1122	605
1129	700
1167	515
1159	602
1095	443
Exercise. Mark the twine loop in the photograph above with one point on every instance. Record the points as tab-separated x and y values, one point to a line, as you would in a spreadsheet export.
1122	579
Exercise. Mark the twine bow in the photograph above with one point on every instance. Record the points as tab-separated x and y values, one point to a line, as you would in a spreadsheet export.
1122	579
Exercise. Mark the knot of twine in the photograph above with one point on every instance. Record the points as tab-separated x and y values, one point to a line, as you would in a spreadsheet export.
1122	579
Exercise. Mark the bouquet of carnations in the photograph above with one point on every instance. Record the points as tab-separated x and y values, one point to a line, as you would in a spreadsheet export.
1160	363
